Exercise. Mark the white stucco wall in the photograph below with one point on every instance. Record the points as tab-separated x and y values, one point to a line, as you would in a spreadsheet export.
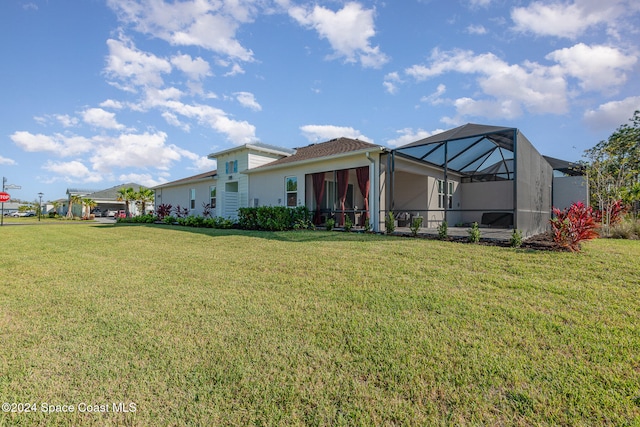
180	195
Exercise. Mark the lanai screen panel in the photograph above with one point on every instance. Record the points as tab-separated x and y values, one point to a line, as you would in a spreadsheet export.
533	188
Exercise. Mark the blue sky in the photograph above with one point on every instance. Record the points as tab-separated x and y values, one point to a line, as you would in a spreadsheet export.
96	93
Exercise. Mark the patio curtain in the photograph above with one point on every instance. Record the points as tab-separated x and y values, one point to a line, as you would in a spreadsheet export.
363	182
318	192
343	184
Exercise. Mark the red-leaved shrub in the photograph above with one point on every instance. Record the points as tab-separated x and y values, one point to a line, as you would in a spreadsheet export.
163	210
573	226
616	213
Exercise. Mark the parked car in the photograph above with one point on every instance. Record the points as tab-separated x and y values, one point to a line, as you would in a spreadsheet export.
97	212
111	213
23	214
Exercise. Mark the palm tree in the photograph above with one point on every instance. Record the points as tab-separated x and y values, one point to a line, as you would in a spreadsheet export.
73	199
88	204
55	205
126	195
144	196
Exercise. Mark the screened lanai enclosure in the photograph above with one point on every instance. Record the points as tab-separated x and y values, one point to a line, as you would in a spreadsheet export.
474	173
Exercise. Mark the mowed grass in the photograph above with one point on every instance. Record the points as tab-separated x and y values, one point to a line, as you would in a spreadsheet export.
216	327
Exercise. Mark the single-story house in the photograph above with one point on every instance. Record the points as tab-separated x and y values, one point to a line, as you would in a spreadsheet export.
474	173
106	200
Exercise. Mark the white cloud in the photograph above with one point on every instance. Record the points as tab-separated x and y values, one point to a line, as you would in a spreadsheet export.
134	150
238	132
482	3
247	99
612	114
72	171
476	29
510	88
348	31
434	98
209	25
408	135
101	118
391	81
66	120
315	133
203	163
195	69
7	161
144	179
113	104
235	70
134	67
570	19
59	144
597	67
173	120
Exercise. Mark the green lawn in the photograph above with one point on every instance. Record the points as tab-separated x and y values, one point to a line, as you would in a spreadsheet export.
225	327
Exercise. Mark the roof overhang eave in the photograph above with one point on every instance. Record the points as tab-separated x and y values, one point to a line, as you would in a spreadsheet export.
265	168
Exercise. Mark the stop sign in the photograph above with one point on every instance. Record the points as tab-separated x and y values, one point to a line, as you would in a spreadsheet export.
4	197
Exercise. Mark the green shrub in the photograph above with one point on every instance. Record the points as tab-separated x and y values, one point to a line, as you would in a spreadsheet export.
329	224
516	238
169	219
367	225
272	218
416	223
474	233
390	223
443	230
348	224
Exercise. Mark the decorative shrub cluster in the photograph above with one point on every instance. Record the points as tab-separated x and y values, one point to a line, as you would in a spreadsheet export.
273	218
573	226
616	213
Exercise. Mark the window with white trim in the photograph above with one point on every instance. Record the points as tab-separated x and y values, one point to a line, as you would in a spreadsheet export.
192	198
442	196
291	189
212	195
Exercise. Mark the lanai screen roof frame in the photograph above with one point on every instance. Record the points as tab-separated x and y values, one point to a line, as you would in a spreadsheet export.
473	151
490	153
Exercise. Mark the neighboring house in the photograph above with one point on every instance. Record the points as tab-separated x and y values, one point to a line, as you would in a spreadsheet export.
106	200
474	173
10	207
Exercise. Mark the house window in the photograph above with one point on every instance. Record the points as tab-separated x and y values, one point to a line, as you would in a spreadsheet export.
231	167
291	187
192	198
212	195
442	196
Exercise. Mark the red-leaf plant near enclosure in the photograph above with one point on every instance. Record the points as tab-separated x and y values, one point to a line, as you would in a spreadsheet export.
573	226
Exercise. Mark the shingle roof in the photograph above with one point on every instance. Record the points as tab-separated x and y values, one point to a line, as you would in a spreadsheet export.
189	179
112	193
324	149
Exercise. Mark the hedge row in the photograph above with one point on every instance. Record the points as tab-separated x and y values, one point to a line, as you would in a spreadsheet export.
274	218
269	218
